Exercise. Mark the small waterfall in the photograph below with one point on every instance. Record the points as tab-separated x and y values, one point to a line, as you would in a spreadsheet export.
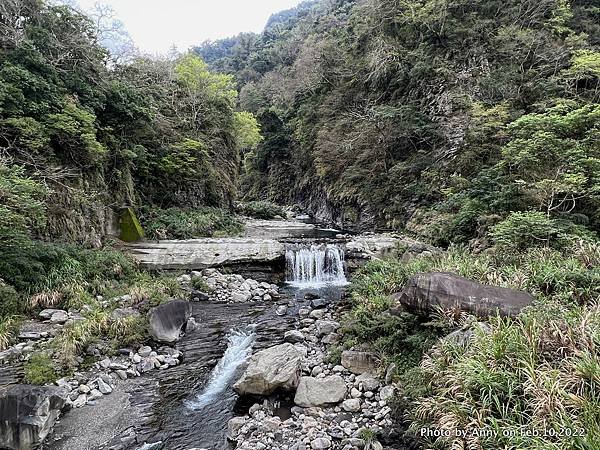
315	265
239	349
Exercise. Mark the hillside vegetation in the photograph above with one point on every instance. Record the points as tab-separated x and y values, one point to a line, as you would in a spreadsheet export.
448	118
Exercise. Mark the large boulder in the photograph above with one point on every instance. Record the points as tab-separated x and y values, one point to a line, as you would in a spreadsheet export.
425	291
27	414
168	320
320	391
359	362
268	370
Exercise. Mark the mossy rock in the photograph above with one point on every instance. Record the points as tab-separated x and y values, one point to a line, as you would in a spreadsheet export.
131	230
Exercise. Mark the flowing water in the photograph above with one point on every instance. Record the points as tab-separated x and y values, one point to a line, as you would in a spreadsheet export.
189	406
315	265
239	349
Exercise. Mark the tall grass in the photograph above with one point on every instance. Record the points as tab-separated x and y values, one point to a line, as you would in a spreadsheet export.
530	383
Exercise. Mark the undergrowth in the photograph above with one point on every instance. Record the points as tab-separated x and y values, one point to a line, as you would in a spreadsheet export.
178	223
529	383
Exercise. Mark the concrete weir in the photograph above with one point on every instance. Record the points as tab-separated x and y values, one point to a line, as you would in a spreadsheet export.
203	253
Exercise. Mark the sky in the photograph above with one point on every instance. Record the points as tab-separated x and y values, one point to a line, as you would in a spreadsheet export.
157	25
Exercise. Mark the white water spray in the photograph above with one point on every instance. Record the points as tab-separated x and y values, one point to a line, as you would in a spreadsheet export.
239	349
315	265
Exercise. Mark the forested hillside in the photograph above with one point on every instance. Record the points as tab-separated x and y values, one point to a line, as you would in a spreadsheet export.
82	136
452	119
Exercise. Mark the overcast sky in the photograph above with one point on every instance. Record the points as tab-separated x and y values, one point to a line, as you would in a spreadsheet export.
156	25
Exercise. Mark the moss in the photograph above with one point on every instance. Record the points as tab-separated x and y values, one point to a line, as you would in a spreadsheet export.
131	230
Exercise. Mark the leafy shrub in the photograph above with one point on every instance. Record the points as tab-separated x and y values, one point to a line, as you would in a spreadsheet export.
40	369
261	210
177	223
522	230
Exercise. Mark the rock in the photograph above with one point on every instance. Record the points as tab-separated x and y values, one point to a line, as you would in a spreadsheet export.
387	392
317	314
32	335
331	338
320	444
144	351
277	367
122	313
48	313
320	391
233	427
319	303
426	291
463	336
80	401
168	320
104	387
207	252
367	382
281	310
28	413
351	405
293	336
324	327
191	325
359	362
240	297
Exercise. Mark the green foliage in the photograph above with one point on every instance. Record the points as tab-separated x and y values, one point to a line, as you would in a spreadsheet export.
261	209
247	130
200	285
177	223
40	369
529	383
520	231
8	327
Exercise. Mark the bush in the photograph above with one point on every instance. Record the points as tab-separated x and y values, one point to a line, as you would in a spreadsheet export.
522	230
177	223
40	369
261	210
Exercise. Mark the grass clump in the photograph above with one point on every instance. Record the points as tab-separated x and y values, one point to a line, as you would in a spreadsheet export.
529	383
40	369
178	223
261	210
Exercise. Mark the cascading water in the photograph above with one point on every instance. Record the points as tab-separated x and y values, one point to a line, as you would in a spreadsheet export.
315	265
239	348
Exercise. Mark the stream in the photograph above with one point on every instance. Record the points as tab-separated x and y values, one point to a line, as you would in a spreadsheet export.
189	406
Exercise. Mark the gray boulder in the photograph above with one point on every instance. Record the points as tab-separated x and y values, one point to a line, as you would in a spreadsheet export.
320	391
168	320
425	291
28	413
359	362
277	367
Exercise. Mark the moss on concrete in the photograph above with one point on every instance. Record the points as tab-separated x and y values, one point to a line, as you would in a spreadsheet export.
131	230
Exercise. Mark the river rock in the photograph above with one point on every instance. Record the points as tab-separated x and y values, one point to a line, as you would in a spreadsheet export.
277	367
387	392
293	336
233	427
320	391
359	362
351	405
324	327
28	413
320	444
168	320
426	291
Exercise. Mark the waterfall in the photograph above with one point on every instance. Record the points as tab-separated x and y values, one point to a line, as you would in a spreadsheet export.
315	265
239	349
